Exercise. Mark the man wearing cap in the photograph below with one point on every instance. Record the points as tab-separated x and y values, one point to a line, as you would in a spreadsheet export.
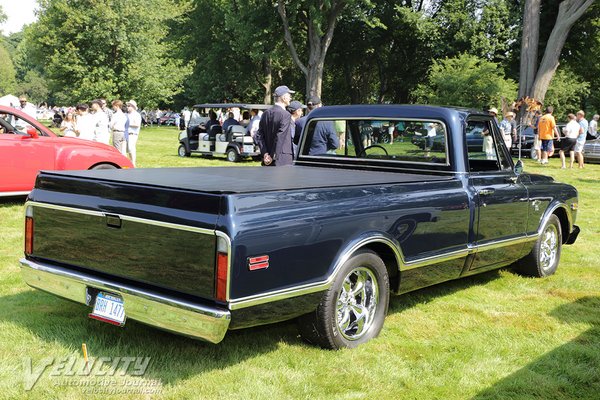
273	135
135	122
296	109
325	139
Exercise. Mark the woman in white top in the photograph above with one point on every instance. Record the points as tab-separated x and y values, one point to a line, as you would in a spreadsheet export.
67	126
571	132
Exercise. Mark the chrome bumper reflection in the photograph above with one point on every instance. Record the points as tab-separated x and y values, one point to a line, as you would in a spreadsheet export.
182	317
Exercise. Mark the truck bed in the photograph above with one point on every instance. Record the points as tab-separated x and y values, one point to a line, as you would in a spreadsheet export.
238	180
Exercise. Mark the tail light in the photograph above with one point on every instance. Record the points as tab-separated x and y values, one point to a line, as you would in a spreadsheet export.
28	230
222	269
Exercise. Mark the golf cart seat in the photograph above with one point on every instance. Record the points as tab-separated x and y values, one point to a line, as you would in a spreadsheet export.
222	137
214	131
237	132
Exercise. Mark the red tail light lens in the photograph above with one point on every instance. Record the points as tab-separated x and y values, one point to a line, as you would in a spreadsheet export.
222	269
28	235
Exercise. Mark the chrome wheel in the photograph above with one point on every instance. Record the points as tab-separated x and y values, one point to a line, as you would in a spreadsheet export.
549	247
357	303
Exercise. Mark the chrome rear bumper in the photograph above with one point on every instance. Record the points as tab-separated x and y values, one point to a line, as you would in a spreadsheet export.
175	315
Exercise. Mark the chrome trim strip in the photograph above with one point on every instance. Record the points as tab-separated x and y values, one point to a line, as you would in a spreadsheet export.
168	313
9	194
123	217
228	240
300	290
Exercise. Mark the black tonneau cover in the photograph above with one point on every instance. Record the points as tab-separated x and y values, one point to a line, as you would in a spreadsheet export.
222	180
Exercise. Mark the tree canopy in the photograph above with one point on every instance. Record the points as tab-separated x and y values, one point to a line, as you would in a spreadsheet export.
180	52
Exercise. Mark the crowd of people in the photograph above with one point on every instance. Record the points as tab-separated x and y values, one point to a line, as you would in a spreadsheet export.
118	125
572	138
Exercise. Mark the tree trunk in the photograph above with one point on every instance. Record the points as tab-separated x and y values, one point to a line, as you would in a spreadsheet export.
569	11
268	80
529	46
533	81
319	39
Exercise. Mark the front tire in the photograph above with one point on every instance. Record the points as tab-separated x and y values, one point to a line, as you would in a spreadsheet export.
182	152
545	255
353	309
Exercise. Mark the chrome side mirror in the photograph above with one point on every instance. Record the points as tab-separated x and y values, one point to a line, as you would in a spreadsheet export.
518	168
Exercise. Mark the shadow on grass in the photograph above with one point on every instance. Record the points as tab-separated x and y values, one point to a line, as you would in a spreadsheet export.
12	201
568	372
173	358
430	293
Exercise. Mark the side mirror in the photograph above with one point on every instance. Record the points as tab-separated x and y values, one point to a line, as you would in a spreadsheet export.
518	168
31	131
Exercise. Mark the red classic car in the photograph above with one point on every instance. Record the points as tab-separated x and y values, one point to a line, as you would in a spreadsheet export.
26	151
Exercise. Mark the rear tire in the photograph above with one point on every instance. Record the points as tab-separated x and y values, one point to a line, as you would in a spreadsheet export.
103	166
545	255
232	155
182	152
353	309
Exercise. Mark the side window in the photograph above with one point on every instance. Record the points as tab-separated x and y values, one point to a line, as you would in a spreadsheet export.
423	141
484	151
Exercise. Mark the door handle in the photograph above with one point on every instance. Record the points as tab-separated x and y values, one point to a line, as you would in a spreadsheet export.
486	192
511	179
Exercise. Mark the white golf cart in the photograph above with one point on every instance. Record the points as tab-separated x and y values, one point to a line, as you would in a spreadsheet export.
235	143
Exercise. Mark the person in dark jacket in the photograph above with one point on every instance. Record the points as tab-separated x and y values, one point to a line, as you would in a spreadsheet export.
273	136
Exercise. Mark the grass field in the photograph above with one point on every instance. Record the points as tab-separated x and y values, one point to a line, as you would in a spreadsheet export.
493	336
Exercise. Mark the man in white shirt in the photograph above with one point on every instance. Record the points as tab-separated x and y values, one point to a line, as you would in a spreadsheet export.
117	127
85	124
571	132
593	129
135	123
28	109
101	129
186	117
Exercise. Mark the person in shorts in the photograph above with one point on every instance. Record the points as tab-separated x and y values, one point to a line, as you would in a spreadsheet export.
581	138
571	132
547	131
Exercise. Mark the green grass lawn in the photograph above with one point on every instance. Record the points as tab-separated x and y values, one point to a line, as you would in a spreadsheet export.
492	336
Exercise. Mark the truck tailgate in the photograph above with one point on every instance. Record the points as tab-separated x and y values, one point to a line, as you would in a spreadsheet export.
164	239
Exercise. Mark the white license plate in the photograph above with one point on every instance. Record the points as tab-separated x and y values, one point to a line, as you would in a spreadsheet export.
248	148
109	308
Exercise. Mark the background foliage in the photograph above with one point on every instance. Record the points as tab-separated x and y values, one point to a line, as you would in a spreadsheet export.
178	52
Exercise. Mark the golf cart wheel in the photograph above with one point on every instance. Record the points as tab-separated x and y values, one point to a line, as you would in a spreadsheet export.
182	152
232	155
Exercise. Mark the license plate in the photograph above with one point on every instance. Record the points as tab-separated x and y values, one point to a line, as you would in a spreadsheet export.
109	308
248	148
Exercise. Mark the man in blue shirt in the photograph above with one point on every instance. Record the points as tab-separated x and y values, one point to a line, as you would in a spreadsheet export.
325	139
230	121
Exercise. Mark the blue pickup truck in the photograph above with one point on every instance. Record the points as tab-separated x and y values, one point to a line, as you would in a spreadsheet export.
200	251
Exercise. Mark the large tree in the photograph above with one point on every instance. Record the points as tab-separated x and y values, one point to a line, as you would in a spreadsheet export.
535	75
314	23
112	49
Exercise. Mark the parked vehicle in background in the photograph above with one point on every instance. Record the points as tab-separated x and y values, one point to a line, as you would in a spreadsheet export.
527	142
168	118
591	151
327	240
24	154
234	144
